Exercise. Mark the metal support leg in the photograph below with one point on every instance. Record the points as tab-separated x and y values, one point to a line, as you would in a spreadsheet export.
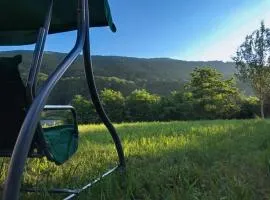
94	95
22	146
37	55
34	70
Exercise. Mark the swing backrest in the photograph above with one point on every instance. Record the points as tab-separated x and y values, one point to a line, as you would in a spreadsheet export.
57	143
13	101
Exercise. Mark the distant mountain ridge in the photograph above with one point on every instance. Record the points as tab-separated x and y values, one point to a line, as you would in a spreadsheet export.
158	75
129	67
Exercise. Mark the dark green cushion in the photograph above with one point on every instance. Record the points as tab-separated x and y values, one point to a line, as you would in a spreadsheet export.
21	19
61	141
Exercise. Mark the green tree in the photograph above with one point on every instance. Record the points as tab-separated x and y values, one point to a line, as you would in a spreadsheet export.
252	63
84	109
176	106
212	96
250	107
114	104
142	106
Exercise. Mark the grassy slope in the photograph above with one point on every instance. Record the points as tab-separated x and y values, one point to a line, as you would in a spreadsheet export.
174	160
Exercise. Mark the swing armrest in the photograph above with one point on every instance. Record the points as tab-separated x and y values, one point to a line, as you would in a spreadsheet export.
64	108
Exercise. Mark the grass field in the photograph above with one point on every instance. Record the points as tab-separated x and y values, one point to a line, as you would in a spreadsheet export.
166	160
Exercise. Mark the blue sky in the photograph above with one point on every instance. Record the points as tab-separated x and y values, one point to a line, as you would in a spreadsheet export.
180	29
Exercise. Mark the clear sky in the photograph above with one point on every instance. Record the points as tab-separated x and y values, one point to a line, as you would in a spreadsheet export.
180	29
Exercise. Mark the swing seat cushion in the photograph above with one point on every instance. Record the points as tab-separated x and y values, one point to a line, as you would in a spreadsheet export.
61	141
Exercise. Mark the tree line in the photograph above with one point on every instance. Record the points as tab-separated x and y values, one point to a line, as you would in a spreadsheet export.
206	96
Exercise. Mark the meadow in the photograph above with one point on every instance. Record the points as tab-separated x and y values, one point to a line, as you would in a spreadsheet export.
219	159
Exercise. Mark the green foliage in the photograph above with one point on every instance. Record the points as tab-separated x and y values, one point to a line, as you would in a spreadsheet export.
250	107
117	84
142	105
85	110
177	106
253	62
213	97
114	104
207	96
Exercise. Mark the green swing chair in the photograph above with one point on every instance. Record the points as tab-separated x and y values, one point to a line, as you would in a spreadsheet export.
22	135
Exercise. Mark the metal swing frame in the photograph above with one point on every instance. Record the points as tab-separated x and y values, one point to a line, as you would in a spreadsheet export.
12	186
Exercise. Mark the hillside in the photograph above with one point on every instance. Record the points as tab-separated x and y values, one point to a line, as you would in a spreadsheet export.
128	68
158	75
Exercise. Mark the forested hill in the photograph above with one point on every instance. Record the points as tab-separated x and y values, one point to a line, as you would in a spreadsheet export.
158	75
129	68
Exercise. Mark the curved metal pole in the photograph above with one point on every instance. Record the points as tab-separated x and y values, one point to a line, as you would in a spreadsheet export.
22	146
94	95
35	67
38	54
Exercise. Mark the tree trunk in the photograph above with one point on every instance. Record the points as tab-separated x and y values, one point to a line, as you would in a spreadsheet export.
262	111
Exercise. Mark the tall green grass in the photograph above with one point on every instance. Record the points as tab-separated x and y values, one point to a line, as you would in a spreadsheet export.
222	159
